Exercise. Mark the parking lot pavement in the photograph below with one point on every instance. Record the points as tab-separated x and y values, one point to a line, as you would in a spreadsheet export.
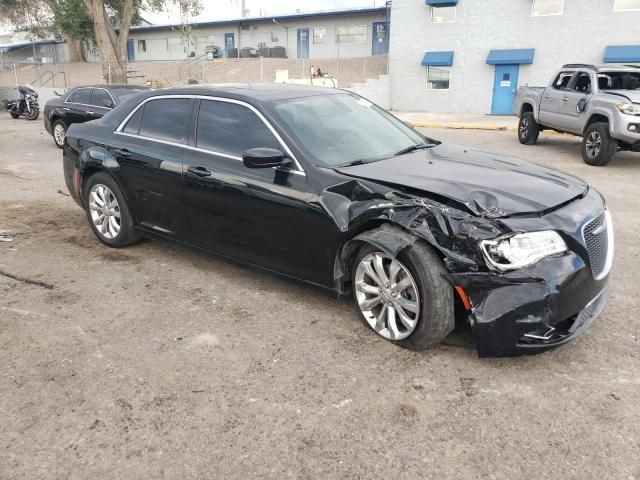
157	361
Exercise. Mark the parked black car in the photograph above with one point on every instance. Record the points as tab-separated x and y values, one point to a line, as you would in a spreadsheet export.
323	186
82	104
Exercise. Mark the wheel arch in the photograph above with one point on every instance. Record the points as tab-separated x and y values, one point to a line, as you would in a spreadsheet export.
596	118
94	160
527	107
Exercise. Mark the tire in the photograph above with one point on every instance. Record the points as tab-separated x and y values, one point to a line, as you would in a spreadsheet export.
14	115
528	129
58	124
33	115
598	148
106	232
435	318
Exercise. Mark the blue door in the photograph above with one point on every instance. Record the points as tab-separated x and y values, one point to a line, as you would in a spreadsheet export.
229	43
131	53
303	43
505	85
380	39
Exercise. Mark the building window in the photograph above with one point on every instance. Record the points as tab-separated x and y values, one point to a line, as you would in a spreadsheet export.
443	14
438	78
318	35
352	34
274	37
543	8
622	5
142	45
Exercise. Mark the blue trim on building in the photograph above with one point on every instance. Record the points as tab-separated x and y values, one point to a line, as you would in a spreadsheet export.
509	57
442	3
291	16
437	59
9	47
622	54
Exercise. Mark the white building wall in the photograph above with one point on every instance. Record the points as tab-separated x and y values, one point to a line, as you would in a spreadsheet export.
579	35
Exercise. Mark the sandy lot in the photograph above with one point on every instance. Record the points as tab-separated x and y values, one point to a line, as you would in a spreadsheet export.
160	362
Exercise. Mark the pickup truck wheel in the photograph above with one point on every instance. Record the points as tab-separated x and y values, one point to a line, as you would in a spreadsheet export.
528	129
598	148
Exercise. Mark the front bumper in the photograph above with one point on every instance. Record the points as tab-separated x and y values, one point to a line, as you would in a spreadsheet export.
540	307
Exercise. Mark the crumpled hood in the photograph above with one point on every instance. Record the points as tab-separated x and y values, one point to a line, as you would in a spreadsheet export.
489	184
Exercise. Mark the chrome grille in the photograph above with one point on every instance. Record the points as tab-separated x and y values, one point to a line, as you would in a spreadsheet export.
596	239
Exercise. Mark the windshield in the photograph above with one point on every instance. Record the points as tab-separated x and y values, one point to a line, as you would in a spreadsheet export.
345	129
619	80
122	94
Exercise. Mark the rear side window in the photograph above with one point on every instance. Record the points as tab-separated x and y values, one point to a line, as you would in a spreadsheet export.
562	80
133	125
99	96
81	95
232	129
167	119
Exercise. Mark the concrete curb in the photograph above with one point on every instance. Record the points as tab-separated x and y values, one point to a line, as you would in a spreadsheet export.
474	126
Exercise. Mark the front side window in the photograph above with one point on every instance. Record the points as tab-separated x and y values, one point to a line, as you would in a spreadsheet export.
166	119
352	34
81	95
338	129
583	83
231	129
100	95
622	5
438	78
318	35
562	80
542	8
443	14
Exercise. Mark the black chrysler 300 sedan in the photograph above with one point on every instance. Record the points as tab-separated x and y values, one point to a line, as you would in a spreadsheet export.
83	104
323	186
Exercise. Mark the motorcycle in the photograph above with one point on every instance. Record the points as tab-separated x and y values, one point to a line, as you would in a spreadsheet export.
27	105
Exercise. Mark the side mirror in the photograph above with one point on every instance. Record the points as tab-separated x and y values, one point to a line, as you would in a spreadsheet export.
57	94
107	102
409	124
263	158
582	105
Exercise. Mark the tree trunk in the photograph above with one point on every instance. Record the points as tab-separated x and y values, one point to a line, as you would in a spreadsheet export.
76	52
112	46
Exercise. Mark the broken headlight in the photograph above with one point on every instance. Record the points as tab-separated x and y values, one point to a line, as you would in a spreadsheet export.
522	249
629	108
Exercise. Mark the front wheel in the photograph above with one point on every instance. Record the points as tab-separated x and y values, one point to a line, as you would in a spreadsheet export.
33	114
107	211
404	299
528	129
598	148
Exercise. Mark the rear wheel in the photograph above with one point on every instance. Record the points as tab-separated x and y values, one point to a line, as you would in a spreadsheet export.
404	299
598	148
528	129
59	130
107	211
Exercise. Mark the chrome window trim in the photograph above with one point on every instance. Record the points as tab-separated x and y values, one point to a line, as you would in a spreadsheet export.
87	104
119	129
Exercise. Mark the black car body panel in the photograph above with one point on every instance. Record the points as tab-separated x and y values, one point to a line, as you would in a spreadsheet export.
307	221
69	111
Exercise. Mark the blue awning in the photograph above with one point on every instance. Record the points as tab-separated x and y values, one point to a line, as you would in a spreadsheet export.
437	59
442	3
506	57
622	54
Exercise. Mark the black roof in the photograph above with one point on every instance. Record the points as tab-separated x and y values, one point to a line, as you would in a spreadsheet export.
257	92
113	85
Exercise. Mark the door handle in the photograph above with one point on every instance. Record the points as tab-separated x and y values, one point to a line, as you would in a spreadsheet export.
122	152
66	109
199	171
565	99
90	112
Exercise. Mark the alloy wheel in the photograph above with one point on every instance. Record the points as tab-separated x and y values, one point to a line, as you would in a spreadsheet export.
105	211
524	128
58	133
387	295
593	144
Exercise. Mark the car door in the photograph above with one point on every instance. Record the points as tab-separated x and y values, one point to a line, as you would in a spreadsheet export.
551	104
149	149
255	215
76	105
98	98
580	88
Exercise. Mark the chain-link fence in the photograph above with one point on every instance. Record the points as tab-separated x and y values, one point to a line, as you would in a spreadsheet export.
342	71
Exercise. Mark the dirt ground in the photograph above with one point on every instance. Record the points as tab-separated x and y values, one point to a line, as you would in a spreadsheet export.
160	362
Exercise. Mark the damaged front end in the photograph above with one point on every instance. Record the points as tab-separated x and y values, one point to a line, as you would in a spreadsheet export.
516	312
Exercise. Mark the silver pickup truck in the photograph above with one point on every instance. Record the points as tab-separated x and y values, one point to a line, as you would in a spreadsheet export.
599	103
